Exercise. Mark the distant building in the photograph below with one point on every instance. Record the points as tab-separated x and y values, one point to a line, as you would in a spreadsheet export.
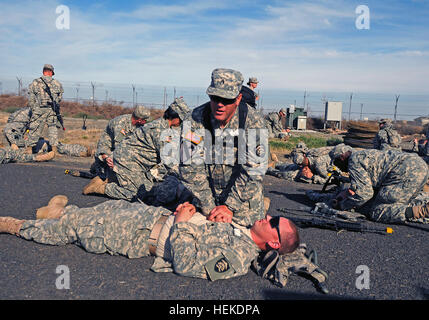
422	120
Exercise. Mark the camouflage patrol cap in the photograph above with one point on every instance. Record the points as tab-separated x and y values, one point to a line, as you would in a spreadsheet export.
253	80
282	110
226	83
339	150
49	67
181	108
141	112
301	145
386	121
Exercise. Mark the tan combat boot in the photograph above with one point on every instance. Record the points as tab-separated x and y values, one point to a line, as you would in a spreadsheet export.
421	211
97	185
54	209
267	202
45	156
10	225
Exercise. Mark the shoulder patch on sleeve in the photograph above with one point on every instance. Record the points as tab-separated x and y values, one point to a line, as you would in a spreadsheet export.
221	267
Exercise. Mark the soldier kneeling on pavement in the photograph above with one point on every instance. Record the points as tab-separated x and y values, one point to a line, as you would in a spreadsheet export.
386	186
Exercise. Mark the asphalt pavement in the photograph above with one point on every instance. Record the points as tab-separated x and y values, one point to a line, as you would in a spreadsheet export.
395	266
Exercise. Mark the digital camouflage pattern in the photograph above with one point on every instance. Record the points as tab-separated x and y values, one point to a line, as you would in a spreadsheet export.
224	181
72	150
116	227
119	227
9	155
42	113
116	131
387	138
384	183
274	125
226	83
137	160
17	125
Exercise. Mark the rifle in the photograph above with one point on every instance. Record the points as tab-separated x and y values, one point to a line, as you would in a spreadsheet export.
55	106
82	174
335	222
334	177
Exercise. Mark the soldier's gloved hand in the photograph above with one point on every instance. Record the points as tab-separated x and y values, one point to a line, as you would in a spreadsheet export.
220	214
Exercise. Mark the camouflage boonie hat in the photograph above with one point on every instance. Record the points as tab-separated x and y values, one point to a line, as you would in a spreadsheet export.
339	150
49	67
253	80
226	83
141	112
282	110
181	108
298	158
386	121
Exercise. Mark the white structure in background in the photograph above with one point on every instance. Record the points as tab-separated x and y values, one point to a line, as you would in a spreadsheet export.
333	113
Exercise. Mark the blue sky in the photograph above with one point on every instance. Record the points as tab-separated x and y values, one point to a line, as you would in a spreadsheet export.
297	45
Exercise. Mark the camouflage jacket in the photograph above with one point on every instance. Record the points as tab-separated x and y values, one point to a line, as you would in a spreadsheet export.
274	122
146	145
117	130
214	176
38	97
17	124
370	169
212	250
387	139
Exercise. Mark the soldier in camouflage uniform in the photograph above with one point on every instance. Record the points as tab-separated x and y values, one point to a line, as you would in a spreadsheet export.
137	160
17	125
116	131
384	185
187	243
219	166
274	124
422	148
41	107
10	155
387	138
74	150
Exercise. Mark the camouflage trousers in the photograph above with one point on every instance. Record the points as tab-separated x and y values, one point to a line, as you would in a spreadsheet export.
116	227
9	155
39	118
398	192
73	150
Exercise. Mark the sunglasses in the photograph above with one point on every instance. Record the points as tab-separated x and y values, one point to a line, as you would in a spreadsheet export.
275	223
221	100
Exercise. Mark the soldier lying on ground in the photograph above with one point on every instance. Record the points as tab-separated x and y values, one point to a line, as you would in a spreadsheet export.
386	186
116	131
10	155
17	126
187	243
309	165
138	162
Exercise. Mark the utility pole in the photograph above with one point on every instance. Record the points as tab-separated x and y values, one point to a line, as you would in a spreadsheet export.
77	92
107	96
305	95
361	108
396	106
134	95
19	85
350	106
174	93
93	93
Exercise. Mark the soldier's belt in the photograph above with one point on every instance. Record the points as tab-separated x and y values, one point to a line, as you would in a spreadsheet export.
156	230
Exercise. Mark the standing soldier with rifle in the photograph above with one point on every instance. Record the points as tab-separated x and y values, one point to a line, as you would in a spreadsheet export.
45	95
